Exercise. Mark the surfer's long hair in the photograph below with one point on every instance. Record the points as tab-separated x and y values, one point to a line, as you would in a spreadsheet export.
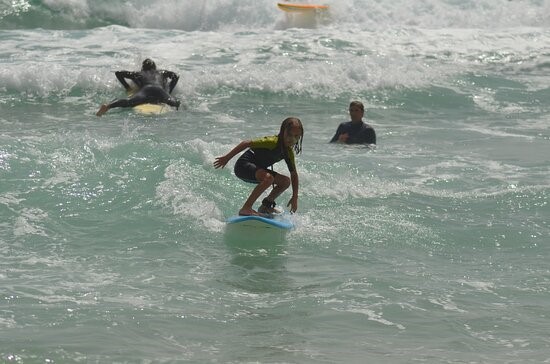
285	128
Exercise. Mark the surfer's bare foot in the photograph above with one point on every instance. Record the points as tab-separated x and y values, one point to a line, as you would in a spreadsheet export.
102	110
269	211
248	212
269	208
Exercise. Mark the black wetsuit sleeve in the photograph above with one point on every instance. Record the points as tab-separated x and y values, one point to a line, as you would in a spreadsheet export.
369	136
123	75
173	79
337	134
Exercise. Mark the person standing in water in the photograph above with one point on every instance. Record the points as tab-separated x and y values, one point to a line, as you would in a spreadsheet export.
355	131
252	166
152	87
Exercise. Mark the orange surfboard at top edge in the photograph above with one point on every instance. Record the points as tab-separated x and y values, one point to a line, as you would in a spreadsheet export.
300	7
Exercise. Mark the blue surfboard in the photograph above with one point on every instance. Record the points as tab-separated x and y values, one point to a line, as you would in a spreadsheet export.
261	222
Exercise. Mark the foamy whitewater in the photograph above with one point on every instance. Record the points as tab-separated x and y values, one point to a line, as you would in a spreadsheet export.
432	248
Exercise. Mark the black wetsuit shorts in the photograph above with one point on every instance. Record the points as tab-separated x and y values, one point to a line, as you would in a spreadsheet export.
245	167
151	94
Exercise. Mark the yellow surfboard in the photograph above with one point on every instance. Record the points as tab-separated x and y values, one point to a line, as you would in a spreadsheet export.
294	7
149	109
152	109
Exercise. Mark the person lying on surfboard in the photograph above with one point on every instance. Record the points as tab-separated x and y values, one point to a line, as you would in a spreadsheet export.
252	166
355	131
152	87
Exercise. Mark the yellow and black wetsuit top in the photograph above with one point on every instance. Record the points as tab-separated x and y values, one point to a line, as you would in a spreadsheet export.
266	151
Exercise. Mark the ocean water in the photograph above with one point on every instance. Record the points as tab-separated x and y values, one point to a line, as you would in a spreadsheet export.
431	248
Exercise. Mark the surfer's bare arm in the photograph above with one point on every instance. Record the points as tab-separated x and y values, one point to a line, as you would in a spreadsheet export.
293	203
220	162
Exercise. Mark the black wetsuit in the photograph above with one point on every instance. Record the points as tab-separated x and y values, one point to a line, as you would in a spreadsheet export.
358	133
153	88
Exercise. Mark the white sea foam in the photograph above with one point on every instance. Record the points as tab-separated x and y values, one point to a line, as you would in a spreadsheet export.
30	222
181	193
230	14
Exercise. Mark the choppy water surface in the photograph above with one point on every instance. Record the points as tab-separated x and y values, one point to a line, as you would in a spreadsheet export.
433	247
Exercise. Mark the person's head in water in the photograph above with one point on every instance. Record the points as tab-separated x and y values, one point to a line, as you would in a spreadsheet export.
148	65
356	111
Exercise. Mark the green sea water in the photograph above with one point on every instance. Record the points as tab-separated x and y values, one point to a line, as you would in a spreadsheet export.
432	247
